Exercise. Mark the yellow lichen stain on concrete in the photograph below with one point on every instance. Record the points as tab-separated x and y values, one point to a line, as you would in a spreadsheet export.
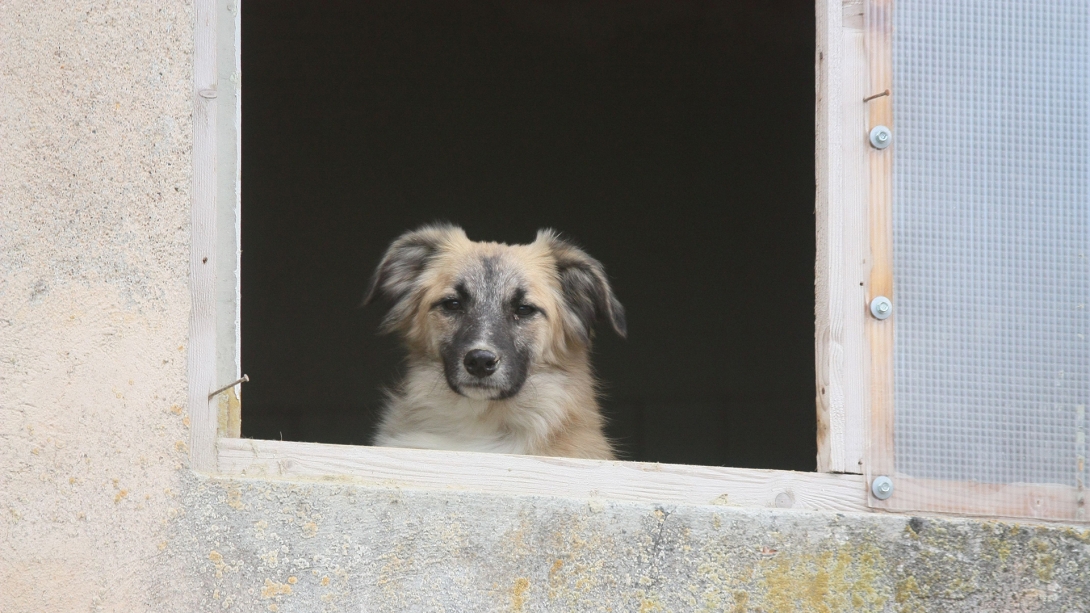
576	568
825	582
958	588
906	589
396	565
1044	563
120	496
518	594
999	542
649	605
217	561
713	601
310	530
176	409
234	498
272	589
740	600
270	558
325	580
181	447
293	580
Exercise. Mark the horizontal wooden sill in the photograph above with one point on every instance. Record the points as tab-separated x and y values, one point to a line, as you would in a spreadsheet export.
540	476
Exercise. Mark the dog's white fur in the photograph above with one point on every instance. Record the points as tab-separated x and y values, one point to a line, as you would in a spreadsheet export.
548	417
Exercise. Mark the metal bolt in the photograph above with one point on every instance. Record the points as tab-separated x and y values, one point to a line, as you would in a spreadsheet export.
882	487
880	137
881	307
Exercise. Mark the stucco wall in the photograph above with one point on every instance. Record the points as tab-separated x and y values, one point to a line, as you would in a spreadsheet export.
99	511
95	176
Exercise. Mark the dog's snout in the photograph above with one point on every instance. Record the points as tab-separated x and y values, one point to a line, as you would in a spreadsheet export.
480	363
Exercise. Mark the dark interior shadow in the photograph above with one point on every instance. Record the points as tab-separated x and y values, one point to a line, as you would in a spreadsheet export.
673	140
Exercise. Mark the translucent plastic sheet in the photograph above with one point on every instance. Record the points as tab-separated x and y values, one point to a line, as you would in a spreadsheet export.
991	204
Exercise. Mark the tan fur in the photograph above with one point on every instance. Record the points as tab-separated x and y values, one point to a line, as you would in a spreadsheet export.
556	411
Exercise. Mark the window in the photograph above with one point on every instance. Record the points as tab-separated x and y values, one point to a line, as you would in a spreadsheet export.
374	136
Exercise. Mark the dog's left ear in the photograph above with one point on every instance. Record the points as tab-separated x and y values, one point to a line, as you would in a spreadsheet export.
587	293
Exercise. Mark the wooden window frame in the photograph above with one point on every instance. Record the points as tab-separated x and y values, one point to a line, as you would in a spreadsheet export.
853	352
216	448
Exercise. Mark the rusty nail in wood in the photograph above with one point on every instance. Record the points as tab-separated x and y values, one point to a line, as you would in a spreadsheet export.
869	98
244	379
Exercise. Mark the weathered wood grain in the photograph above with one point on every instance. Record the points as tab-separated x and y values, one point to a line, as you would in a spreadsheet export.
842	247
541	476
202	265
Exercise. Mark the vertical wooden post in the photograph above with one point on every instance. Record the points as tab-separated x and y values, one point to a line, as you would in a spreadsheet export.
202	264
841	218
228	216
879	46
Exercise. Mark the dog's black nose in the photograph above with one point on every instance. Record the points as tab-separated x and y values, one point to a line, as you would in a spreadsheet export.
480	363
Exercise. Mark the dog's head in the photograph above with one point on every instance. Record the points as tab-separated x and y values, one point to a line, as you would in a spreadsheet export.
490	312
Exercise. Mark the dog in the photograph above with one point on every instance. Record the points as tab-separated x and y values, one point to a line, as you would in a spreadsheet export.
498	339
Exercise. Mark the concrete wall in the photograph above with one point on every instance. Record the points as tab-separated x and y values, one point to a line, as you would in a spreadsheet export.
99	511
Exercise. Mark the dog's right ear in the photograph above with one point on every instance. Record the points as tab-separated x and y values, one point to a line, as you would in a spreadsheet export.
397	274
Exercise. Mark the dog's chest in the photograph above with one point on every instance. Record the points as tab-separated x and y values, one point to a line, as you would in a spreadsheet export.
441	419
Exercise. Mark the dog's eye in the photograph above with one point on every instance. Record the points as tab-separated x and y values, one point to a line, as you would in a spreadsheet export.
525	310
451	305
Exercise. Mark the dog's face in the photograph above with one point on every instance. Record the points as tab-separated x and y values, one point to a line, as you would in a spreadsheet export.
492	313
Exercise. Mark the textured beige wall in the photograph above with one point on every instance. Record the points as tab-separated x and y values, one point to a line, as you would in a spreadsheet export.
95	175
99	511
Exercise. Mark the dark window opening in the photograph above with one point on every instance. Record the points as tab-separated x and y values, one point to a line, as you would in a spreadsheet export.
672	140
